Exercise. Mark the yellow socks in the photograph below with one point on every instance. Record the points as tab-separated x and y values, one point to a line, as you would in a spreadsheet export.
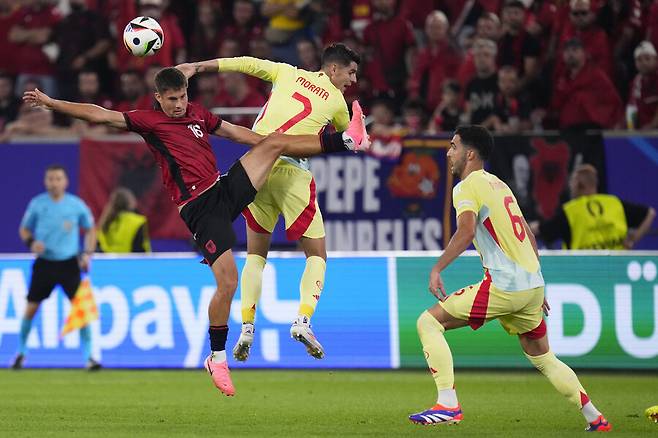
566	382
251	283
438	356
311	284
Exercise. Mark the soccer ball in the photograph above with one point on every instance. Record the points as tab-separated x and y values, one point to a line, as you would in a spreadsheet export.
143	36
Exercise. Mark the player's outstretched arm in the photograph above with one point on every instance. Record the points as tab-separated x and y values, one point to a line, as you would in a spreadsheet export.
260	68
84	111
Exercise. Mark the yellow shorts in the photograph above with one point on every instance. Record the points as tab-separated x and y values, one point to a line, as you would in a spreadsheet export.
290	191
518	312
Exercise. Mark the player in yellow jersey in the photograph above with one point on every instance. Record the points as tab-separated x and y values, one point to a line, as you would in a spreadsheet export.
511	291
301	102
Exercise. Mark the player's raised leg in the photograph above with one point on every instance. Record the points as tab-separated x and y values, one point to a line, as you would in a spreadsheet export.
251	282
536	348
354	138
431	325
310	288
226	276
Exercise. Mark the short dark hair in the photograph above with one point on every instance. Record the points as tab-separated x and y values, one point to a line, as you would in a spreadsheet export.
340	54
56	166
452	85
514	4
476	137
169	78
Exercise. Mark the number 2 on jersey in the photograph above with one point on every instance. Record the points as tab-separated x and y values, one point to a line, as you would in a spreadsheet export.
517	221
301	115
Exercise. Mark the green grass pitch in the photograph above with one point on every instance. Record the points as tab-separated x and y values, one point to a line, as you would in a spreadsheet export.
292	403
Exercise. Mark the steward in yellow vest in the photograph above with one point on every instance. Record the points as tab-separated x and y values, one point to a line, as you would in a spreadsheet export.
593	220
120	229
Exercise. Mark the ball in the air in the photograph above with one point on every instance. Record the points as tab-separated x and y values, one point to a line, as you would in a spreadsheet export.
143	36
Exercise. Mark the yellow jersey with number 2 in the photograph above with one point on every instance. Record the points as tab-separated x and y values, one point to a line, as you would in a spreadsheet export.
301	102
500	235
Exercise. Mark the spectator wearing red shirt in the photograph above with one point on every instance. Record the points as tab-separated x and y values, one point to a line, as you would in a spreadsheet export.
207	89
32	29
414	118
173	50
89	89
488	27
437	61
237	93
516	46
7	49
132	92
584	96
387	39
643	96
245	24
447	114
582	25
512	106
207	34
83	38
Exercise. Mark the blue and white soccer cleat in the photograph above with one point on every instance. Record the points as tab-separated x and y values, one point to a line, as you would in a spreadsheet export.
438	414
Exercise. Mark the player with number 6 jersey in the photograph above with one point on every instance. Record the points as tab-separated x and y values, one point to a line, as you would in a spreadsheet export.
301	102
511	291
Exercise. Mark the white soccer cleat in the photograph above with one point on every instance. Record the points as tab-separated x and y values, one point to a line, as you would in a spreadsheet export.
301	331
242	347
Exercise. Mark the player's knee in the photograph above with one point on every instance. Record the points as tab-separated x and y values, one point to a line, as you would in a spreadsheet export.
427	321
228	283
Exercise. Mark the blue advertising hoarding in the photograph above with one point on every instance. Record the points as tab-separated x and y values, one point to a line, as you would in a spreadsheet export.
154	314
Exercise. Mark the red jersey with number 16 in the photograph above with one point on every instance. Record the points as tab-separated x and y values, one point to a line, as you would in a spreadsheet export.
181	147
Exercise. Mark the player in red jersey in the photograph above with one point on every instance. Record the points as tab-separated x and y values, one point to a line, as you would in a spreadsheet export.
177	134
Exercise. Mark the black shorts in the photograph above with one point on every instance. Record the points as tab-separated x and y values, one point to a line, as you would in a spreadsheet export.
46	274
210	216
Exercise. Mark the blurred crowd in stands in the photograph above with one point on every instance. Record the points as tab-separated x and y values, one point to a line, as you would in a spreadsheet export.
511	65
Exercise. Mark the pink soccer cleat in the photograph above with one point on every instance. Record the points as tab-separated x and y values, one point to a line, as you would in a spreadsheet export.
356	130
600	425
221	376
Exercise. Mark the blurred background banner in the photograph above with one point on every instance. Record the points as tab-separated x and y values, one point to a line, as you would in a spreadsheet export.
367	203
370	204
153	313
604	313
537	167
